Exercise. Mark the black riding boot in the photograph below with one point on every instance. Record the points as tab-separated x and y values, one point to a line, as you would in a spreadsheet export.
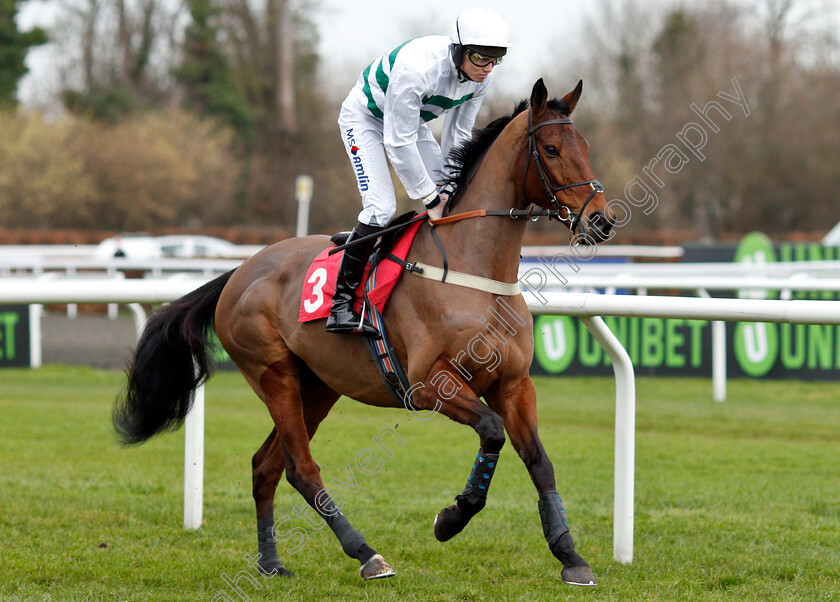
343	317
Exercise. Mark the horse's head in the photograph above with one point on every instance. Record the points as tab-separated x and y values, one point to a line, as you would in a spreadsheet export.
556	170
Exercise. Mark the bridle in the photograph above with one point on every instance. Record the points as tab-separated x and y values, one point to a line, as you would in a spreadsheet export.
572	218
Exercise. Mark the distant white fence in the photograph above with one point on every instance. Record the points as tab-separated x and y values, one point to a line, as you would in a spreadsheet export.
24	265
639	251
33	251
589	307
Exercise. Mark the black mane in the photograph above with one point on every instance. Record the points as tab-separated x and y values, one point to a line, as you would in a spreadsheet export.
465	158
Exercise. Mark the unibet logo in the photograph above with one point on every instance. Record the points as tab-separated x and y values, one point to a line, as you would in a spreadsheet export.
756	343
555	342
755	249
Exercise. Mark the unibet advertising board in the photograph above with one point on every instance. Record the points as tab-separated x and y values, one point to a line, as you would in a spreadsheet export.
673	347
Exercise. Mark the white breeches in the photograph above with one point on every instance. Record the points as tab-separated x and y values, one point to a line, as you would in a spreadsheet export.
363	141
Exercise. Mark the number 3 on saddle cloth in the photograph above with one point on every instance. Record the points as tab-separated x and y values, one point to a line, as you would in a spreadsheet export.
381	276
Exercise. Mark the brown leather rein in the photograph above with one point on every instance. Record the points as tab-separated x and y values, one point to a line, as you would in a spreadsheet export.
533	214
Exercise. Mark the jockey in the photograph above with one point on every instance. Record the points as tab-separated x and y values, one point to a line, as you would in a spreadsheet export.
385	114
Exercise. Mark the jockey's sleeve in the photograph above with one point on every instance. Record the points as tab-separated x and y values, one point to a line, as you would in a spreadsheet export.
401	121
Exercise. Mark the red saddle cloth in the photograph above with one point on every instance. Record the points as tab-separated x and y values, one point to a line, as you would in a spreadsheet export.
319	284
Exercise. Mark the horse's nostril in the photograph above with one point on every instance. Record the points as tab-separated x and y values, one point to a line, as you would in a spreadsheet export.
601	222
599	225
607	218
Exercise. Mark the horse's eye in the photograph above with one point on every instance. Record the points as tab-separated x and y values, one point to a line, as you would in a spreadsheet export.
551	151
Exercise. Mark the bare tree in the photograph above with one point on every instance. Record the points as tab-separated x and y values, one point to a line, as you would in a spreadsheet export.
110	45
280	21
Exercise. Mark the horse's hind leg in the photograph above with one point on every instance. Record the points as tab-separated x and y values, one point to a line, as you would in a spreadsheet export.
452	398
268	464
518	408
281	387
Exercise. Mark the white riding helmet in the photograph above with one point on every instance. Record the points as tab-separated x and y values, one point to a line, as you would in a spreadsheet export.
480	26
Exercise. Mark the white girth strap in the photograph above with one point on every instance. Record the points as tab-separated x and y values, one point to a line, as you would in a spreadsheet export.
509	289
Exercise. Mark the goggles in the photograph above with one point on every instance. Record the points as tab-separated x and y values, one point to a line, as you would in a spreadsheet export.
481	60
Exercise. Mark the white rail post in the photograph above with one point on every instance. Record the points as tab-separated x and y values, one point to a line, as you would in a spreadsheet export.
625	437
718	355
36	331
72	308
194	462
139	315
719	360
36	356
113	308
303	193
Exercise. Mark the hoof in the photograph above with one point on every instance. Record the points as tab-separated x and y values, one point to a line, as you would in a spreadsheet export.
273	567
579	575
448	523
376	568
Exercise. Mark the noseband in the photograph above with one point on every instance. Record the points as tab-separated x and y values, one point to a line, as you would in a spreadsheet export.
572	218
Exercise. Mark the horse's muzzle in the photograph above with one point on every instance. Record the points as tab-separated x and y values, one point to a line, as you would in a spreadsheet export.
596	226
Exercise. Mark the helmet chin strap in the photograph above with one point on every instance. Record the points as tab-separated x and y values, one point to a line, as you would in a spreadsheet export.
457	60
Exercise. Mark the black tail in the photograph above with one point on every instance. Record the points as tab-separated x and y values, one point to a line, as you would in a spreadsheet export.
169	363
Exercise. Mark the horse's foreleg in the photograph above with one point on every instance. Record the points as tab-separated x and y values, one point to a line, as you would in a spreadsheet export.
518	409
456	401
281	389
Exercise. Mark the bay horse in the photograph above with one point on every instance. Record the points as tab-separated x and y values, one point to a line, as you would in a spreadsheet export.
299	370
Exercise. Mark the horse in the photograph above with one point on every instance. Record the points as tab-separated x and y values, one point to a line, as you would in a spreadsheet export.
533	159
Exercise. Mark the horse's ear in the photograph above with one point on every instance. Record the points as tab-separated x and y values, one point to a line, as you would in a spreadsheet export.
572	97
538	96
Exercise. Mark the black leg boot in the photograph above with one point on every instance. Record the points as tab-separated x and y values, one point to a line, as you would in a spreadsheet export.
343	318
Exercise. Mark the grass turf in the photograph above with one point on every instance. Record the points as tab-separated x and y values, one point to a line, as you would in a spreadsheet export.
733	500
